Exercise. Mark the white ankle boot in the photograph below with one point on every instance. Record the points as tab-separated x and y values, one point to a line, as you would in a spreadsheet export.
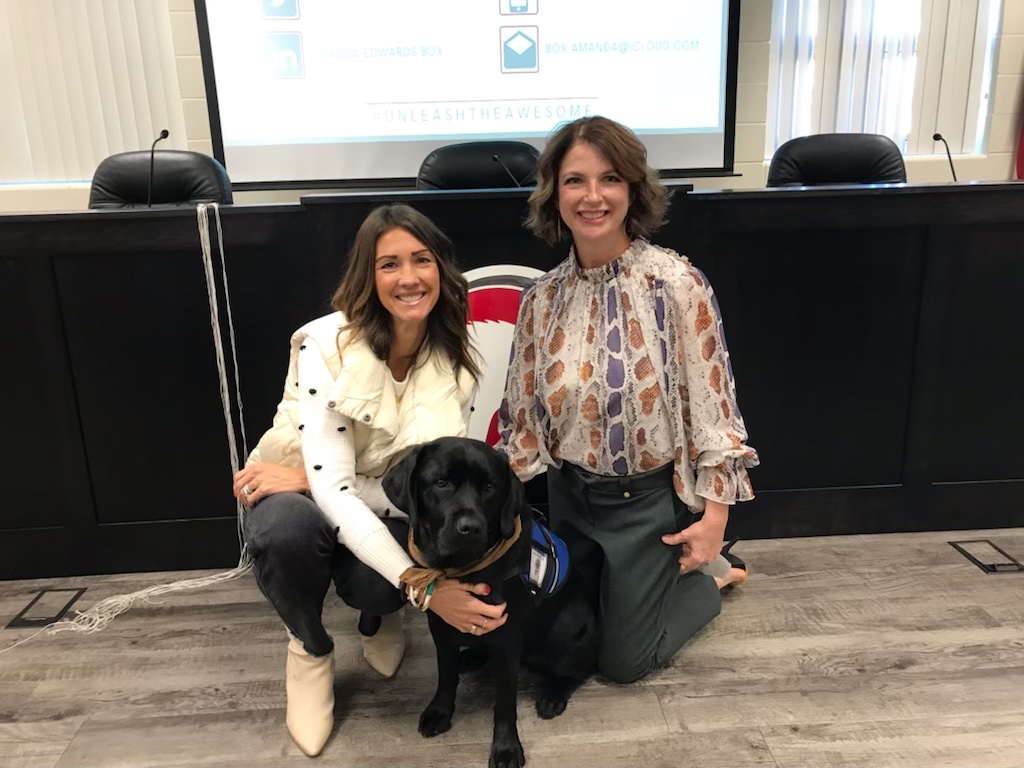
309	688
384	651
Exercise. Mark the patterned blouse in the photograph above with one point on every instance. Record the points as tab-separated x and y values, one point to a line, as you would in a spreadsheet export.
623	368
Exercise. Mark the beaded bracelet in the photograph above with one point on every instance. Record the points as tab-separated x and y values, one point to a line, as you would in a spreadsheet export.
413	594
426	600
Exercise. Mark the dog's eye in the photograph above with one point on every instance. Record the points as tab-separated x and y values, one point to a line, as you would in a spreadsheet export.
488	487
441	483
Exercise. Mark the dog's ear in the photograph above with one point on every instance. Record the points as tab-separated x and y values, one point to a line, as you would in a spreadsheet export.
400	482
513	507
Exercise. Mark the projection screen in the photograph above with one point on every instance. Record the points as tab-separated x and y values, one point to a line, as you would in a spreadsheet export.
347	92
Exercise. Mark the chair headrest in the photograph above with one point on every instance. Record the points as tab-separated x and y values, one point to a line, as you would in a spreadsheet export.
837	158
180	178
471	165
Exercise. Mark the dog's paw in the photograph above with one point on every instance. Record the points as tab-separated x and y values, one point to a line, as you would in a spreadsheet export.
554	697
507	756
551	704
435	720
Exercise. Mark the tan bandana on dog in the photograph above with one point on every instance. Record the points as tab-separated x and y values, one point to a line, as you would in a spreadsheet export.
420	576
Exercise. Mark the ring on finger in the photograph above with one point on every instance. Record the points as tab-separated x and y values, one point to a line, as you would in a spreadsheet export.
245	490
474	629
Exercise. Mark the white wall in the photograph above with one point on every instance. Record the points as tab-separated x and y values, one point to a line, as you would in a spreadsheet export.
1005	114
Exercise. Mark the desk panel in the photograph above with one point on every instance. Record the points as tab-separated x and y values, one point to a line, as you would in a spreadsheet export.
873	332
977	421
45	477
809	352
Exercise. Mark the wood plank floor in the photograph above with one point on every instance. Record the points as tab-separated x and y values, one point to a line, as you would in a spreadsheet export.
879	651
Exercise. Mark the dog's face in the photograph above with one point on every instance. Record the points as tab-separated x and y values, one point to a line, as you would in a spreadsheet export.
461	497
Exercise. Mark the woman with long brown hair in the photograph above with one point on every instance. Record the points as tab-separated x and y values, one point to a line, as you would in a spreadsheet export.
392	367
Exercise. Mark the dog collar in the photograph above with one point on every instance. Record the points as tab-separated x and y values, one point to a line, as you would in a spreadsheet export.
419	576
549	562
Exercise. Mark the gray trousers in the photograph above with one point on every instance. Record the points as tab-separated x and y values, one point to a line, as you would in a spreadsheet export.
297	556
613	529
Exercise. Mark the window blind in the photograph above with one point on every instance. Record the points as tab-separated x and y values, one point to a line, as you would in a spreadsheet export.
81	80
902	68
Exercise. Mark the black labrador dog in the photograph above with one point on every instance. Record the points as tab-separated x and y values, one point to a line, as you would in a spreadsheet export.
462	499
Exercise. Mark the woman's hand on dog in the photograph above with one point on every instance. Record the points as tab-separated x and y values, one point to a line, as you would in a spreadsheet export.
456	603
263	478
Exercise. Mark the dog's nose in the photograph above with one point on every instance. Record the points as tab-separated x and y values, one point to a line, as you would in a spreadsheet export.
469	525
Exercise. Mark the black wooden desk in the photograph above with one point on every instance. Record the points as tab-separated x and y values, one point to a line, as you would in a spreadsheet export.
875	334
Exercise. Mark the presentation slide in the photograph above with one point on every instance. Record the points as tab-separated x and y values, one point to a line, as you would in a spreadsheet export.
336	89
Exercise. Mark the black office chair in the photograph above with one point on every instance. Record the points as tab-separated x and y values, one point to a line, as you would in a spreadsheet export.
472	165
837	158
180	179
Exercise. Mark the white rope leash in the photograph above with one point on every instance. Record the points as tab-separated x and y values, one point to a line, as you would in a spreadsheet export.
202	215
100	615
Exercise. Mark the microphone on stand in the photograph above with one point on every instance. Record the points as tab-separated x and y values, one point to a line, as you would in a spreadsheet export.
938	137
497	159
152	153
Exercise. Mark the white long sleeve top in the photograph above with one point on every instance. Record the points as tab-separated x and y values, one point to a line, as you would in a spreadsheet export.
341	419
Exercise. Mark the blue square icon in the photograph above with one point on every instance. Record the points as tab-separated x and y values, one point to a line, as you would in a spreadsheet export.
284	54
519	49
517	7
280	9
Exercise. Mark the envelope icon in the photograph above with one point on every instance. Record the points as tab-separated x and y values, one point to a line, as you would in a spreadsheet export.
519	49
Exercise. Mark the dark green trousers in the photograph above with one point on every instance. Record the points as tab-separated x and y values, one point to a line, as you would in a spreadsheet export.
613	529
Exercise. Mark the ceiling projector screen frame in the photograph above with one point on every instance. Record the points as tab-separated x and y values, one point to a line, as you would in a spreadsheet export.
247	105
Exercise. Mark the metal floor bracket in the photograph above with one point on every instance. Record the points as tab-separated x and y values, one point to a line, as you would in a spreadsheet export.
35	615
987	556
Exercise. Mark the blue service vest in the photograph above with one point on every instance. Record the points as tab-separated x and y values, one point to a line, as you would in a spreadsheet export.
549	562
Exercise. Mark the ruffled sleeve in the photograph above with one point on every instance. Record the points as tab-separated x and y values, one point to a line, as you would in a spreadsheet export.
519	428
716	436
